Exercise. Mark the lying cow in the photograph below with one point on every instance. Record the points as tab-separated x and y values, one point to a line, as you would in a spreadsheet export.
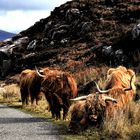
89	110
120	78
58	88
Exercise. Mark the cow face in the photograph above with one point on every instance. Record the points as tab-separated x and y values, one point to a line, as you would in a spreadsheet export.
95	107
88	110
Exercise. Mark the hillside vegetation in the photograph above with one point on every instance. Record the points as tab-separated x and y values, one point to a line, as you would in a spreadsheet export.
85	38
81	34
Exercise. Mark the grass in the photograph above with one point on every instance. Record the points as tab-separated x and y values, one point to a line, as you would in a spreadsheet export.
124	125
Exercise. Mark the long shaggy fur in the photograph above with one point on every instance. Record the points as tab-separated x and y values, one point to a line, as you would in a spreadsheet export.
90	111
30	84
118	79
60	87
94	108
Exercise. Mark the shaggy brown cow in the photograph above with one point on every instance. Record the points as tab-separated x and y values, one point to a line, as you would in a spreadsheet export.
30	84
88	110
58	88
117	80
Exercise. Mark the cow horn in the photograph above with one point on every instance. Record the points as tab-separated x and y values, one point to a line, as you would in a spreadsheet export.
129	88
79	98
99	90
107	98
37	71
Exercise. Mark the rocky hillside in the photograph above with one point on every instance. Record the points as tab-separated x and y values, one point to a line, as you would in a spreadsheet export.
78	34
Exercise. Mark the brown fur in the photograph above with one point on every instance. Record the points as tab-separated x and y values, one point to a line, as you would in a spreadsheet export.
90	111
117	80
47	72
29	86
94	108
59	87
120	78
79	118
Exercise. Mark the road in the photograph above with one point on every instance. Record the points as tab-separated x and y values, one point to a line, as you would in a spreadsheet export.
17	125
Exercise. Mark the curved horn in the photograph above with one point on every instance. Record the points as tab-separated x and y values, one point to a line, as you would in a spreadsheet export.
129	88
37	71
99	90
107	98
79	98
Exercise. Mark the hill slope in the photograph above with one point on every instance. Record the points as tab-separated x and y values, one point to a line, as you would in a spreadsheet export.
4	35
82	33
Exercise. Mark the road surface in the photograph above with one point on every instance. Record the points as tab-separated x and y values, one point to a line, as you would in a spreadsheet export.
17	125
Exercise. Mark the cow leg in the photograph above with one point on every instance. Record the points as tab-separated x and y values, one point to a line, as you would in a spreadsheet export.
58	116
37	100
53	113
27	100
66	106
32	100
57	110
23	101
65	110
23	97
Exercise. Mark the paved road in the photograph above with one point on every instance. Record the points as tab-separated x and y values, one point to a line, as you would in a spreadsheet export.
16	125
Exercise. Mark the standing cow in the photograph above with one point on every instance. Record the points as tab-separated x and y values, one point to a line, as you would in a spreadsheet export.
59	88
30	84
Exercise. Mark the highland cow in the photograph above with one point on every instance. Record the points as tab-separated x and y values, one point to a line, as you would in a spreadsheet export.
89	110
30	84
58	88
117	80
